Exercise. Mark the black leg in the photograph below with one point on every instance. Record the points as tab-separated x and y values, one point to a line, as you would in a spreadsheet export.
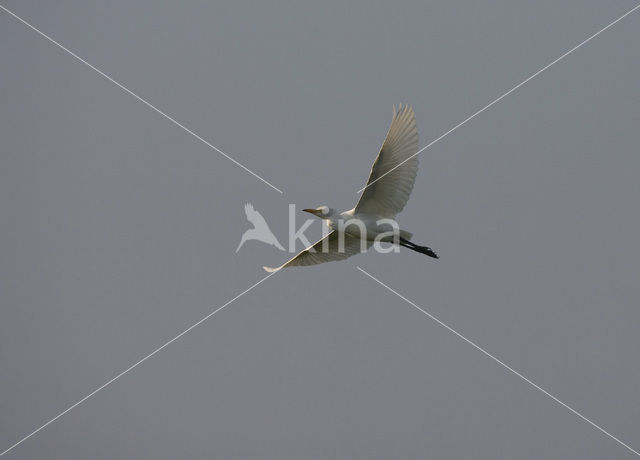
421	249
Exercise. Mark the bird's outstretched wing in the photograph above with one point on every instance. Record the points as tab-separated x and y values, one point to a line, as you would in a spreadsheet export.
316	254
388	189
254	216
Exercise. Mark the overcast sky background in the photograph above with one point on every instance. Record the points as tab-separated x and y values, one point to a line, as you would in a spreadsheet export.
118	230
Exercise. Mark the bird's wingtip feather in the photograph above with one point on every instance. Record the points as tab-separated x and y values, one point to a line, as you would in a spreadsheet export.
271	269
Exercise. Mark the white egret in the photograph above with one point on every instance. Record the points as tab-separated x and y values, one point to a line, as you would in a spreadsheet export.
388	188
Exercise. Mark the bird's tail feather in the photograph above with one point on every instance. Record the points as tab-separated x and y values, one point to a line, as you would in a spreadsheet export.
406	235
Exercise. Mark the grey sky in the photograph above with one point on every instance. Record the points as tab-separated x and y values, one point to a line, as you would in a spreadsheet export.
118	231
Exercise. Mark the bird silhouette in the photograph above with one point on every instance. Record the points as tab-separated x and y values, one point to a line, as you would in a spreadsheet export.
260	230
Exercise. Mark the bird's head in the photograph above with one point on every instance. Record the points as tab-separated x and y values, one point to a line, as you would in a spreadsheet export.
323	212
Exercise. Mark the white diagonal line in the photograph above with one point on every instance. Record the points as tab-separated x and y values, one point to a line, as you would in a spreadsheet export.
499	362
148	104
503	96
137	363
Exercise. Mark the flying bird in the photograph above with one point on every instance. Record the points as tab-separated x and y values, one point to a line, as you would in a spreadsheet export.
385	195
260	230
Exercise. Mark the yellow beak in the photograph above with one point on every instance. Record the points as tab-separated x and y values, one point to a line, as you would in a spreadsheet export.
312	211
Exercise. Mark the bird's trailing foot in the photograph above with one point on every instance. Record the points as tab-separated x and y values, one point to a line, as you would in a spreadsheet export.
421	249
425	250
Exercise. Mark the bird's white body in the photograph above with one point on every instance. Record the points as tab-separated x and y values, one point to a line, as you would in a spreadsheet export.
363	225
385	195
